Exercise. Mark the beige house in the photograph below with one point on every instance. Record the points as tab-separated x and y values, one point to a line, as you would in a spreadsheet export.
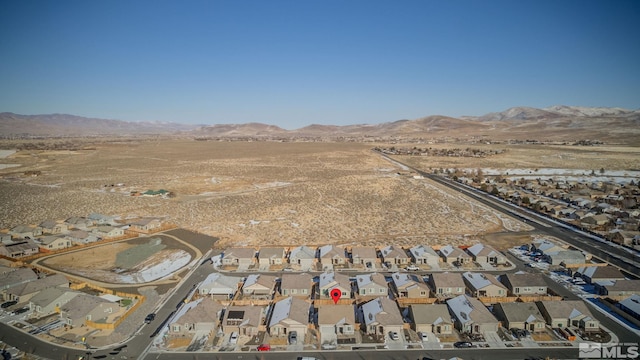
454	255
331	255
201	315
333	280
619	288
54	242
471	316
268	256
108	232
336	323
424	255
244	320
483	285
520	315
239	256
259	286
50	300
394	255
381	316
373	284
83	308
289	314
561	314
146	225
524	284
364	256
298	285
19	248
409	286
446	285
302	258
23	292
432	318
484	254
53	227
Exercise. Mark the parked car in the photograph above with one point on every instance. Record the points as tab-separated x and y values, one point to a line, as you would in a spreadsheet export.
293	337
264	347
462	344
394	335
8	303
233	338
412	268
423	336
21	311
150	318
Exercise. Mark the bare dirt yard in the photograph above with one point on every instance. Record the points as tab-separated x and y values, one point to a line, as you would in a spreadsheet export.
257	193
135	261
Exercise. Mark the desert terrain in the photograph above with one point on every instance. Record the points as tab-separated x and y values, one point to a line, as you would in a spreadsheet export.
265	192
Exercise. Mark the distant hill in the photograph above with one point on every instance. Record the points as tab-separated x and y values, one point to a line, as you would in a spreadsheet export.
71	125
554	123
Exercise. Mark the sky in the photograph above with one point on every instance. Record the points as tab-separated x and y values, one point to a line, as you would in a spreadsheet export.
302	62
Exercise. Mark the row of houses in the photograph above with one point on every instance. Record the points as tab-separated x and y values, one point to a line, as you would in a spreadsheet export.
606	207
328	256
377	317
51	235
48	295
400	285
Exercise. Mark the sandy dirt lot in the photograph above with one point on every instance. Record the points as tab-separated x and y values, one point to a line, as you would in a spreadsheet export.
255	193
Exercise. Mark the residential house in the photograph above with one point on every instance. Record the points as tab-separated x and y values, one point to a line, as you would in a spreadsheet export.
299	285
373	284
100	219
54	242
83	307
25	232
50	300
619	288
331	255
520	315
446	285
19	248
454	255
219	286
381	316
484	254
561	314
631	306
146	225
336	323
22	293
53	227
16	276
483	285
364	256
243	257
471	316
545	246
595	220
394	255
259	286
80	223
198	316
600	274
302	258
244	320
268	256
424	255
409	286
108	232
432	318
81	237
333	280
565	257
524	284
287	315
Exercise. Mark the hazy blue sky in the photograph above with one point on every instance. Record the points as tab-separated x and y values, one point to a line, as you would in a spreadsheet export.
294	63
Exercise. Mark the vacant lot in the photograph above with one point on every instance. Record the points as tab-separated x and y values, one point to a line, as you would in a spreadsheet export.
250	193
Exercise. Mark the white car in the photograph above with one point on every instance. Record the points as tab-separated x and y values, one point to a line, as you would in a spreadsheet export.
233	338
412	268
394	335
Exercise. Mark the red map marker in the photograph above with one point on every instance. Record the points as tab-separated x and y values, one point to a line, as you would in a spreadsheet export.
335	295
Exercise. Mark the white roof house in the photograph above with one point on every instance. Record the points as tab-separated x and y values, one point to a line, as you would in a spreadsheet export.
471	315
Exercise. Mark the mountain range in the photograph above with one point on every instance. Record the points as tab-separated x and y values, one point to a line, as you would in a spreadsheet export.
558	122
